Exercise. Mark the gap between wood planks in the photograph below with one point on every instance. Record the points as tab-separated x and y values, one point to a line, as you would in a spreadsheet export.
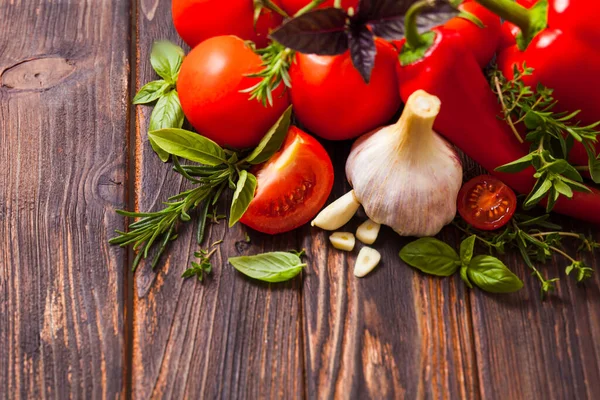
130	202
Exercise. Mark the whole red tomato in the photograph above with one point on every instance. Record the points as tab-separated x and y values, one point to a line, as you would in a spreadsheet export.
332	100
293	6
292	186
209	85
198	20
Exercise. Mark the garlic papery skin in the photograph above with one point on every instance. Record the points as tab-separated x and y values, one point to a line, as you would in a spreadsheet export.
405	175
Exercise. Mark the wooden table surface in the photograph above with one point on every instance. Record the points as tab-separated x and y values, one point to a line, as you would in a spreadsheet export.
75	322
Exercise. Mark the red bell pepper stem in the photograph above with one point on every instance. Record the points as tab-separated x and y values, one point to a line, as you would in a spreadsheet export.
414	39
531	21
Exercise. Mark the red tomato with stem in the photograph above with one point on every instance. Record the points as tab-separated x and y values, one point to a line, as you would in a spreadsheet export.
332	100
293	6
486	203
209	85
293	185
198	20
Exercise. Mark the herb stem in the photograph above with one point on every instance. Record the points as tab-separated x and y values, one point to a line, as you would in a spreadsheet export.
506	110
309	7
274	7
562	253
542	234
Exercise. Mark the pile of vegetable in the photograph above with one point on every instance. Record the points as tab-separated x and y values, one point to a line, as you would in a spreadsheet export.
519	97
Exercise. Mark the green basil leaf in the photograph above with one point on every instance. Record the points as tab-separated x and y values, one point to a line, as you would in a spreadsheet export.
269	267
244	193
151	92
431	256
464	276
163	155
272	141
517	165
491	275
466	249
167	113
189	145
166	59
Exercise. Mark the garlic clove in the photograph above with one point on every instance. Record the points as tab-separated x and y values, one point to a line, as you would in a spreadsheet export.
405	175
366	261
368	231
338	213
343	241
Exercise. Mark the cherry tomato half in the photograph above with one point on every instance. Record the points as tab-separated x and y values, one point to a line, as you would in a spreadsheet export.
198	20
293	185
209	85
332	100
293	6
486	203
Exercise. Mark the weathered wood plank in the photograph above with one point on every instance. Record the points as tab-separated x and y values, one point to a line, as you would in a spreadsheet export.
393	334
528	348
228	337
63	144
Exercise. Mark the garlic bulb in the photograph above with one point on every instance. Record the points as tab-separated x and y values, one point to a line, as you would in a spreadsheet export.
405	175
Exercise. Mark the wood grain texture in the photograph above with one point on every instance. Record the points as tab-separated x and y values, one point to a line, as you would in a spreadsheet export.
63	130
529	348
393	334
228	337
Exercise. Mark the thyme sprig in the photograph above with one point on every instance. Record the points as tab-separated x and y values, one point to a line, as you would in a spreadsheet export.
537	240
551	134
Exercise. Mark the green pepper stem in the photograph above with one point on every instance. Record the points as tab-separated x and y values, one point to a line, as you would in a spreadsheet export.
530	21
309	7
414	39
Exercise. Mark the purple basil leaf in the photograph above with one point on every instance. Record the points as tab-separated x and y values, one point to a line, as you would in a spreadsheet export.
392	28
317	32
362	50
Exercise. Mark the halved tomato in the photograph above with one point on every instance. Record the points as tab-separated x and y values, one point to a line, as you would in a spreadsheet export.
486	203
292	186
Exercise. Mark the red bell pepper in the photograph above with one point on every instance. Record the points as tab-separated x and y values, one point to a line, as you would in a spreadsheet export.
560	41
482	41
439	63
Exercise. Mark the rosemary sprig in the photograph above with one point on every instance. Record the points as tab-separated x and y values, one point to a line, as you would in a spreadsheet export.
276	63
151	226
551	134
537	240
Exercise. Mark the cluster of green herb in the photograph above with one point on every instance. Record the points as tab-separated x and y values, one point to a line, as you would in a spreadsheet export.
166	59
551	134
218	170
435	257
537	240
276	61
